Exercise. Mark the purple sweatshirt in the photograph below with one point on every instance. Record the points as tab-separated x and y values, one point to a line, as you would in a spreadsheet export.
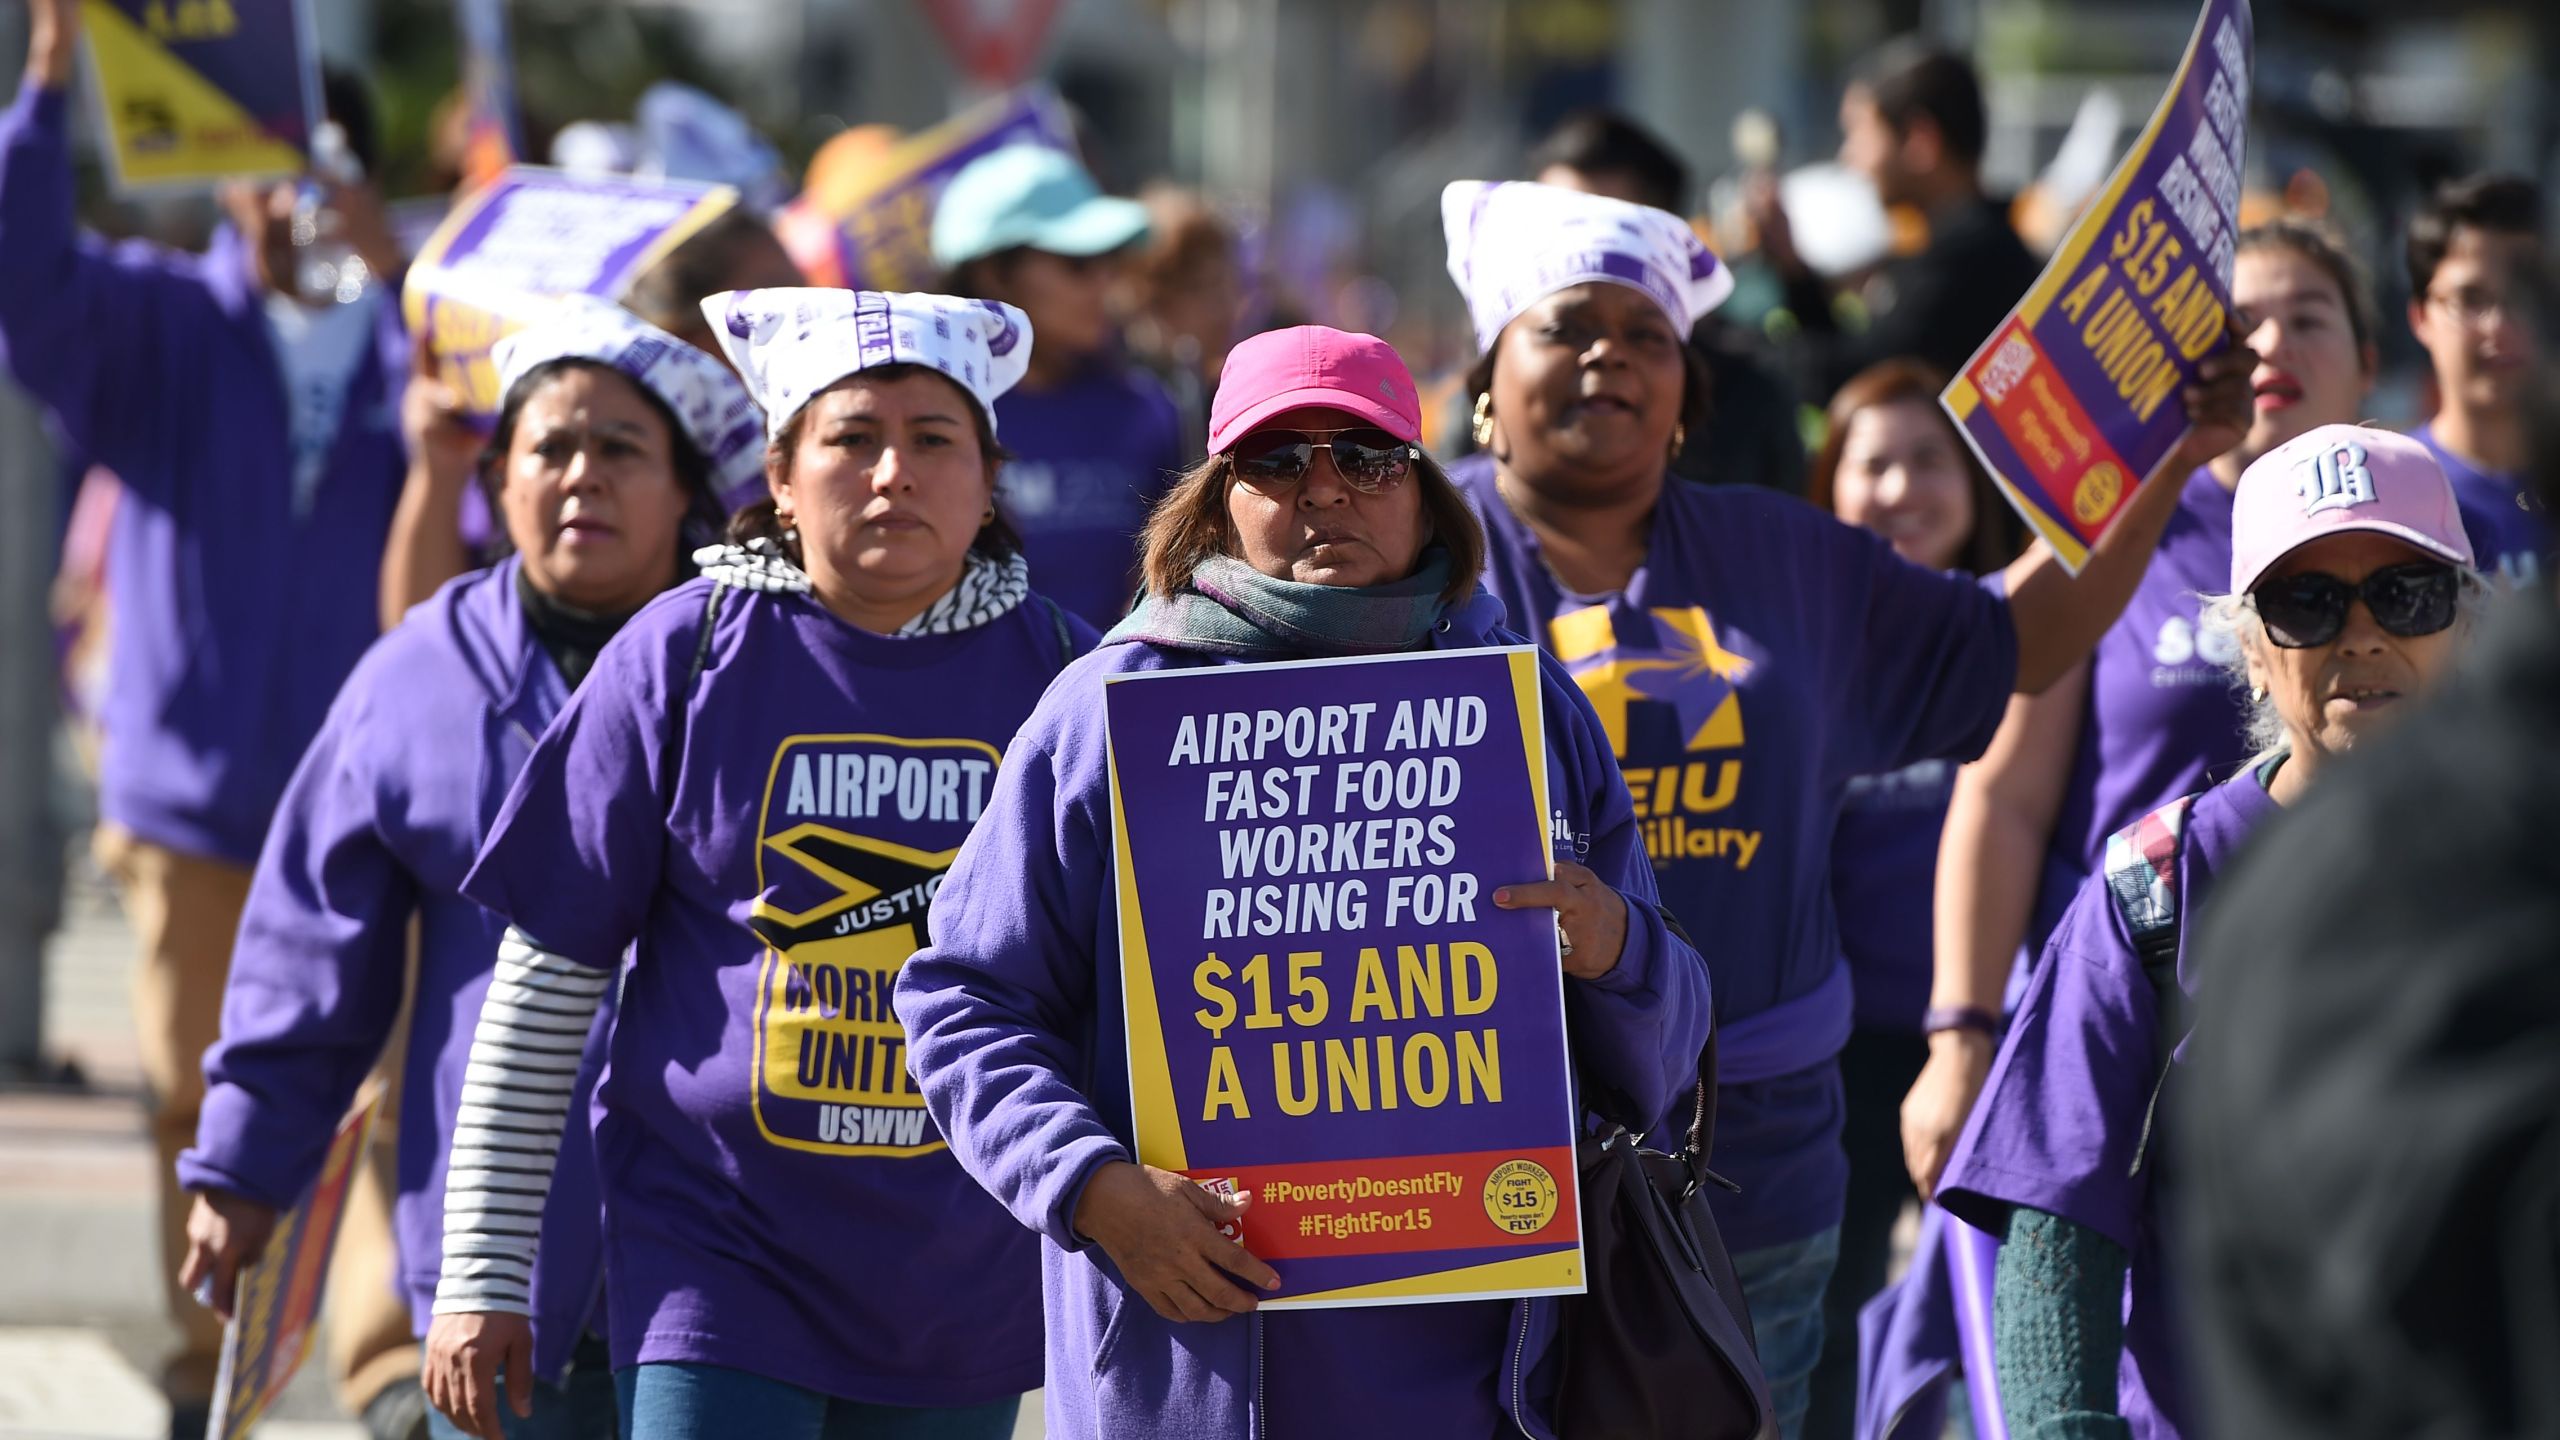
235	619
2162	718
765	837
1764	656
2068	1103
2509	533
1018	1042
381	822
1090	459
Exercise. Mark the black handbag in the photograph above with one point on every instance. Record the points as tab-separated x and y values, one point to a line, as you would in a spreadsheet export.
1660	1344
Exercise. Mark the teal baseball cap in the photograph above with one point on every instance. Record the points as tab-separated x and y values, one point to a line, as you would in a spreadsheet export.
1030	195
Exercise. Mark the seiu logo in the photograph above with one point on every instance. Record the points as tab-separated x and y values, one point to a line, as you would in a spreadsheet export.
2334	479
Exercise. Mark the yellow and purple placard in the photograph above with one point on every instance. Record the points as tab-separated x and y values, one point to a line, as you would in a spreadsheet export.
197	91
277	1303
1324	1007
2072	403
867	224
509	250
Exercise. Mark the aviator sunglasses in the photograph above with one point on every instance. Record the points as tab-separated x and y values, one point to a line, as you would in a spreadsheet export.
2305	611
1368	458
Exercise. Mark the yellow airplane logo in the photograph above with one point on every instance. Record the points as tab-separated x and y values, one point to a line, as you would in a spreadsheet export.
1693	671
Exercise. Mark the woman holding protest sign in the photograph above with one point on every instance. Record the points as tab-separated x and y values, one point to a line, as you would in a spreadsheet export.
2149	717
1748	656
1316	528
754	795
612	445
2351	589
1094	438
1894	464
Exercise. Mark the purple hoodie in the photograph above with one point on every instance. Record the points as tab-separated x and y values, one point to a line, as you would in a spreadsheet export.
381	822
235	618
1023	1061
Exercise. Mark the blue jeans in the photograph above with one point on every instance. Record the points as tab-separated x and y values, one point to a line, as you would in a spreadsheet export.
671	1400
1784	1284
580	1407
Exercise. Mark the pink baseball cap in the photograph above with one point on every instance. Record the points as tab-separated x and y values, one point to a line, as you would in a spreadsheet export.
1311	365
2336	479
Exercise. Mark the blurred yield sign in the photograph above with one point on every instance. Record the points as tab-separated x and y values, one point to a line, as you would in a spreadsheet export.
992	41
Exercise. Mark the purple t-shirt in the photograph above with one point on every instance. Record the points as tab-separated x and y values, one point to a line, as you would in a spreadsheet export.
2062	1113
1763	655
2509	536
1090	458
776	1198
2163	719
1884	866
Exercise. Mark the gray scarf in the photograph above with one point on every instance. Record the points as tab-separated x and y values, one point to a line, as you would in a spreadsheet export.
1230	608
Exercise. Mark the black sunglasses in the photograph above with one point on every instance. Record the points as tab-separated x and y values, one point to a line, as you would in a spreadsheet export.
1368	459
2308	610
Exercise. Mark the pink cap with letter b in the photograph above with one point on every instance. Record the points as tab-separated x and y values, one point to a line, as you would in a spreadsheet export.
1308	366
2336	479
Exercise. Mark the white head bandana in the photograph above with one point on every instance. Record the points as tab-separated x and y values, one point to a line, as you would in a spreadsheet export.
1514	243
790	344
715	410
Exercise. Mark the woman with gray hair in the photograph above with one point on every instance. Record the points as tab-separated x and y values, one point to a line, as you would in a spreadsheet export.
2352	585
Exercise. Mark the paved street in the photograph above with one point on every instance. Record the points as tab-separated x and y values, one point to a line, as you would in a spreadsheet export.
79	1308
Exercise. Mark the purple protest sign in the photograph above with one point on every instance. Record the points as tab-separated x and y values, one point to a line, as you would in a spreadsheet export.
199	93
1324	1007
509	250
2072	403
863	221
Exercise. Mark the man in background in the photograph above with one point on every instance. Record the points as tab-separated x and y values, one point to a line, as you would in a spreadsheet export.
1913	124
2470	247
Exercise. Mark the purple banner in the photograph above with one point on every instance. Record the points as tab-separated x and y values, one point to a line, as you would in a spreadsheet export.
866	224
1325	1009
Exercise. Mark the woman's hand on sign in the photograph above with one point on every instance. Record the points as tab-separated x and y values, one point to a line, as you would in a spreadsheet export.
1590	916
226	1234
2219	404
1162	1231
466	1353
438	433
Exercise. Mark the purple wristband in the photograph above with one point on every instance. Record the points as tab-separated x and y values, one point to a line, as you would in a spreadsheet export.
1959	1017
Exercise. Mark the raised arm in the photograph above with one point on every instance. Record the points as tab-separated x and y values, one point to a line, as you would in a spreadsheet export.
426	548
105	338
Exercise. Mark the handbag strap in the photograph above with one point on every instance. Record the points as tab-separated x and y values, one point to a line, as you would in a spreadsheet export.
1702	1114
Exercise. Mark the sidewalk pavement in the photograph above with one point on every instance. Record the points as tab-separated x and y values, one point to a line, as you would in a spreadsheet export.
80	1324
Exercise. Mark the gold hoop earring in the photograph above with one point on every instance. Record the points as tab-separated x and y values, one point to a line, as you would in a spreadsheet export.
989	518
1679	438
1484	420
